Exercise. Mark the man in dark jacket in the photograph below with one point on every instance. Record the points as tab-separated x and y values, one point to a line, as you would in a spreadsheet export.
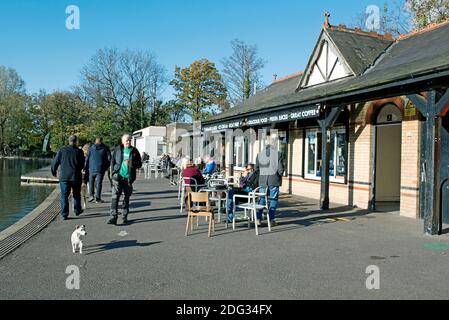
248	183
71	160
97	163
124	162
270	167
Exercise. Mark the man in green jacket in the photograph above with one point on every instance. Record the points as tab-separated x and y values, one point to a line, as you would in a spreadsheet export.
124	162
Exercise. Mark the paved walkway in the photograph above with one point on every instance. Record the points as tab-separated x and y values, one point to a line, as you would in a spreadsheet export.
310	255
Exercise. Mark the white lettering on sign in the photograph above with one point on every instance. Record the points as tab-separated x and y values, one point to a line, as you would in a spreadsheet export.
273	119
283	117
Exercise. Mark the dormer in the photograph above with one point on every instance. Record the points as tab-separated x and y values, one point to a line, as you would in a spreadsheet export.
341	52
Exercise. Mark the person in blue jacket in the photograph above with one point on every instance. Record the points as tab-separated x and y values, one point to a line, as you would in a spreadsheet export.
97	163
211	166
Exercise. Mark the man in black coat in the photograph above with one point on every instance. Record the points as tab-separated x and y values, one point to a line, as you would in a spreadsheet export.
124	162
97	163
270	166
70	159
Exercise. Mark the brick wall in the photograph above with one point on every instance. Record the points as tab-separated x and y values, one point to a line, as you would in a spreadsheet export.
410	168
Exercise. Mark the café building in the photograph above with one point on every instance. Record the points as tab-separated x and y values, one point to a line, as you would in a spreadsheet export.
365	124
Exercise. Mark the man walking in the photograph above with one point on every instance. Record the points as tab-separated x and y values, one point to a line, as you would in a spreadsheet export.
97	163
270	166
124	162
71	160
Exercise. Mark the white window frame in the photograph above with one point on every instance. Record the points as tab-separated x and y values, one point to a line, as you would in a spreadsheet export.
244	142
334	134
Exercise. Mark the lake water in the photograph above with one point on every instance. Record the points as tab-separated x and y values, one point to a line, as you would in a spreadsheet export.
16	199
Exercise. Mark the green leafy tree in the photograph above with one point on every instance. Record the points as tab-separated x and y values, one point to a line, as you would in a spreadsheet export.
62	114
425	12
14	116
200	88
176	111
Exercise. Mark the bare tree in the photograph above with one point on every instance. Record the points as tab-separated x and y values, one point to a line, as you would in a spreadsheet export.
129	80
394	18
241	72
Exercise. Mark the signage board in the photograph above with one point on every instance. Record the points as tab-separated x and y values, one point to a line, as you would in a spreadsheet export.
266	118
410	109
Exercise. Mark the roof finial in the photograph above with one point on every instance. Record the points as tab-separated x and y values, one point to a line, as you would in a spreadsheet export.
275	76
326	19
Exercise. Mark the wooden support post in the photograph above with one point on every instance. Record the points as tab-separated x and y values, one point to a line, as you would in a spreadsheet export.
325	124
430	160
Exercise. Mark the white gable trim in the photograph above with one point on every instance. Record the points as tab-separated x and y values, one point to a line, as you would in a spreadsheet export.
325	64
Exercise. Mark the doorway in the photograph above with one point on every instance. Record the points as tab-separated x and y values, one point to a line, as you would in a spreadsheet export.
387	179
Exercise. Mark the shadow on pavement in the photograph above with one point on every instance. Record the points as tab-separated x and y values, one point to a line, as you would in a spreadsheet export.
156	192
116	245
158	218
152	210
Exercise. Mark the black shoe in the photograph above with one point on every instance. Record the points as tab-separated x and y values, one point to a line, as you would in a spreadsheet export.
78	213
64	218
113	221
99	201
91	199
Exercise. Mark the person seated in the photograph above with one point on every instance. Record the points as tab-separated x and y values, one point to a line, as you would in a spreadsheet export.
211	166
248	183
192	171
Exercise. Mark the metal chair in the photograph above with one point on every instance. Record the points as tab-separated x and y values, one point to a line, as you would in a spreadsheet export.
253	206
194	185
218	196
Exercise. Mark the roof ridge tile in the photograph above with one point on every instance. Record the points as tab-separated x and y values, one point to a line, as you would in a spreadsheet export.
428	28
288	77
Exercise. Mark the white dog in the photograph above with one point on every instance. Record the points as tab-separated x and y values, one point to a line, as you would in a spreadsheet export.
77	238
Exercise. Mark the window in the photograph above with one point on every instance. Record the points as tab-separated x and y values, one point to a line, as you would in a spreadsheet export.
240	152
282	145
313	159
160	148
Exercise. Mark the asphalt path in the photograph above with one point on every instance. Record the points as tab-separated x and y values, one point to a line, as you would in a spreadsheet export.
310	255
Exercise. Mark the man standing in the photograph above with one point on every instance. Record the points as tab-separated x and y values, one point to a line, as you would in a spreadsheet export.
270	167
124	162
97	163
71	160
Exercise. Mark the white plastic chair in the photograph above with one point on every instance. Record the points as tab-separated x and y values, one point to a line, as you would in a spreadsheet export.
218	197
253	206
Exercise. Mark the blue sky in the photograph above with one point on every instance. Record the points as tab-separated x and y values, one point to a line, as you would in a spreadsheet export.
35	41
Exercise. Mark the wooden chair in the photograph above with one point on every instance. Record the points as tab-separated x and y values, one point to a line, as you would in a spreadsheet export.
199	211
193	185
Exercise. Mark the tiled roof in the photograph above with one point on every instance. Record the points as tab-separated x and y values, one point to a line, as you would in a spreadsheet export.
359	49
419	54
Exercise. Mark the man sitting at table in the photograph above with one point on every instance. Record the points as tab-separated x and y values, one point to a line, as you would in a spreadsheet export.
248	183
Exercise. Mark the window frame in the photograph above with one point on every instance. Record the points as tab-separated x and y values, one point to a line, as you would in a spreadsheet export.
244	152
334	134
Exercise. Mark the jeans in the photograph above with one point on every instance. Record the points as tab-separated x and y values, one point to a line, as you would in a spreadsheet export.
273	196
96	178
118	186
231	194
66	188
